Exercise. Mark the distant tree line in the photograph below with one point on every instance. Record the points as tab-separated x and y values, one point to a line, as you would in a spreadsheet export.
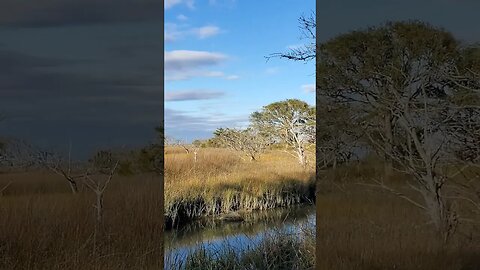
290	123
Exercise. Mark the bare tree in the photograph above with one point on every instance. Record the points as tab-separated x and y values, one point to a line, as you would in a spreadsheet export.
96	178
307	51
249	142
98	182
192	148
19	154
432	133
58	165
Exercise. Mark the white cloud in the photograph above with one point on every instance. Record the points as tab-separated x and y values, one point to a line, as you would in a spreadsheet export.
171	32
175	31
206	31
223	3
168	37
232	77
189	95
188	74
309	88
182	17
171	3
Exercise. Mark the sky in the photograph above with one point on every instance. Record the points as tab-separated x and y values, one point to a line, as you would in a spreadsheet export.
460	17
84	73
216	73
89	73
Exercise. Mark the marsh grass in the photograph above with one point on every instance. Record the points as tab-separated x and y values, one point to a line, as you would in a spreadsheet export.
361	227
44	226
220	182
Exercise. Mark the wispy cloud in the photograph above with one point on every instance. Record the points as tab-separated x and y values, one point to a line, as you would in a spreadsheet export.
177	121
206	31
189	95
225	3
182	17
188	74
170	37
171	3
174	31
185	59
308	88
232	77
184	64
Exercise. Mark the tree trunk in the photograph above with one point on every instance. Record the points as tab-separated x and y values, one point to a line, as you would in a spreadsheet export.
334	167
73	186
302	159
388	167
99	207
445	221
98	219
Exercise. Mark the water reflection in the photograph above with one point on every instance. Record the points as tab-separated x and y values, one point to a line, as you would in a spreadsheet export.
214	234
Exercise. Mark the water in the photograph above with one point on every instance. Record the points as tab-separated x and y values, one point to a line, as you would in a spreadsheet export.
212	235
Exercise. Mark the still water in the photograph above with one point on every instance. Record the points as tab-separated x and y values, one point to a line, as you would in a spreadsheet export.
213	234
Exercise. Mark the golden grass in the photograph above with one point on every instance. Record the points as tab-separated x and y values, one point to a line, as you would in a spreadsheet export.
220	182
44	226
360	227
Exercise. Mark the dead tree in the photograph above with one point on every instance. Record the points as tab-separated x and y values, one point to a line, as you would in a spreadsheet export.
97	179
195	149
59	166
191	148
249	142
98	186
307	51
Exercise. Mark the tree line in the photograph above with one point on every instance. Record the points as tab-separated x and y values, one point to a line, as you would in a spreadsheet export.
288	124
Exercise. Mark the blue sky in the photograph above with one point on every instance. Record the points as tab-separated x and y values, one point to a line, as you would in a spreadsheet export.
216	73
